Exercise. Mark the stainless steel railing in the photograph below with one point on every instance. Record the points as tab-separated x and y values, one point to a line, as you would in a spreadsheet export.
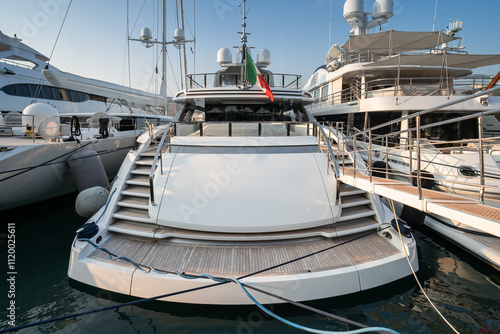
419	144
158	155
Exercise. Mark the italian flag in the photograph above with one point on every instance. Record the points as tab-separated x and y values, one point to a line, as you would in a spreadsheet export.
252	75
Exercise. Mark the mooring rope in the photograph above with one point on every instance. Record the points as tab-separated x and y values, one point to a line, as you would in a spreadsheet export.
218	281
415	275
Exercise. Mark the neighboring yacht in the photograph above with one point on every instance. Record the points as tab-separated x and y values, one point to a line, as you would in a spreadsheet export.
388	84
384	76
234	190
38	139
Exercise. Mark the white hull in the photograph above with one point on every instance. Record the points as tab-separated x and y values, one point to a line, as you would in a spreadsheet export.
485	247
128	280
54	178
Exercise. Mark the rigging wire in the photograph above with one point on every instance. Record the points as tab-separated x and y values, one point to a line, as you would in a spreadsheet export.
42	78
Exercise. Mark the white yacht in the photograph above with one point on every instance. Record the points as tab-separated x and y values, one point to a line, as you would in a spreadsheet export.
377	77
235	190
37	138
409	103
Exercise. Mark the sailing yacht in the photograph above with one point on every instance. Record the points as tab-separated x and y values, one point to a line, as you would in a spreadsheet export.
38	139
378	77
241	188
419	111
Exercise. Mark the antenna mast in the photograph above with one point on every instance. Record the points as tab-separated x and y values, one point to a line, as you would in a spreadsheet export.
244	34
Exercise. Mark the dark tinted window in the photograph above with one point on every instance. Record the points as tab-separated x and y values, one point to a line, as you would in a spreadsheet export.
43	92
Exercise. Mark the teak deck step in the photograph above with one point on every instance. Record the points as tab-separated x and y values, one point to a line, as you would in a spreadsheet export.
149	230
136	190
235	261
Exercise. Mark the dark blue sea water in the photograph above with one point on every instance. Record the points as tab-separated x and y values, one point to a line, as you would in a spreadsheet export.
465	290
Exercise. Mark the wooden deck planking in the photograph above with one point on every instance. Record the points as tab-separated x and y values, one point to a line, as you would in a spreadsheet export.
230	260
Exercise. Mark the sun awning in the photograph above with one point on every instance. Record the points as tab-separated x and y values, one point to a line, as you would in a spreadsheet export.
440	59
397	41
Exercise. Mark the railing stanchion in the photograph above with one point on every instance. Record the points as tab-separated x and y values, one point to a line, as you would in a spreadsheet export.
260	129
354	155
230	129
481	158
370	154
419	181
409	142
386	157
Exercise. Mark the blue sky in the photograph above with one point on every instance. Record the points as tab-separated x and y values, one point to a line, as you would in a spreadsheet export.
93	40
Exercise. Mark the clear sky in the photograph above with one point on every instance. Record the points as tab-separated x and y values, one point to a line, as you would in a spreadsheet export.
93	41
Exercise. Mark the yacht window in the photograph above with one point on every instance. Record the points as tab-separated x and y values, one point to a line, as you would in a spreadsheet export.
324	93
44	92
316	94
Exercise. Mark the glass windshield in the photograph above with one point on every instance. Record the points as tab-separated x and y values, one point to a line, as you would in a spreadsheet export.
245	113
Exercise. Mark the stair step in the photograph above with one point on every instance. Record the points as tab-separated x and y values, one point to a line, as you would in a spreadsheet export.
138	182
147	162
355	226
136	190
135	215
141	169
139	178
350	191
134	202
352	201
356	213
133	228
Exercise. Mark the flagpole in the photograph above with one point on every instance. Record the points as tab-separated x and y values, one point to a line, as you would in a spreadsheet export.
244	47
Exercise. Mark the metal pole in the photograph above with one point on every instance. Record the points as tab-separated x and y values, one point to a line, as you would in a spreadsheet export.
370	153
354	157
419	181
386	157
481	157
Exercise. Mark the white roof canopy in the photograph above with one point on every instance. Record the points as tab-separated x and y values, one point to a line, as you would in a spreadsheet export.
397	41
440	59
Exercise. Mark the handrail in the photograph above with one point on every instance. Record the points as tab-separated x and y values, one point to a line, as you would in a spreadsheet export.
331	155
155	161
426	111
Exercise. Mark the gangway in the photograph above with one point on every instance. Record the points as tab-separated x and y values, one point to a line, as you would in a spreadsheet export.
468	170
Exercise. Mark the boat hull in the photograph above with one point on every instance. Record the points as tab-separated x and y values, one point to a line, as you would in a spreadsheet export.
51	175
124	278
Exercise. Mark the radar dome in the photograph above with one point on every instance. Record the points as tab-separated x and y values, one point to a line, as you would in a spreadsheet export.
333	53
264	57
224	56
179	34
383	9
146	34
36	112
353	8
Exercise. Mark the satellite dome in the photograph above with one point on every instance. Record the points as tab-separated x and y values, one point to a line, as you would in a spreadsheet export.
264	57
146	34
353	8
224	56
36	112
383	9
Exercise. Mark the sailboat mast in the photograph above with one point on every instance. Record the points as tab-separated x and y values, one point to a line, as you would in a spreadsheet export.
164	46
